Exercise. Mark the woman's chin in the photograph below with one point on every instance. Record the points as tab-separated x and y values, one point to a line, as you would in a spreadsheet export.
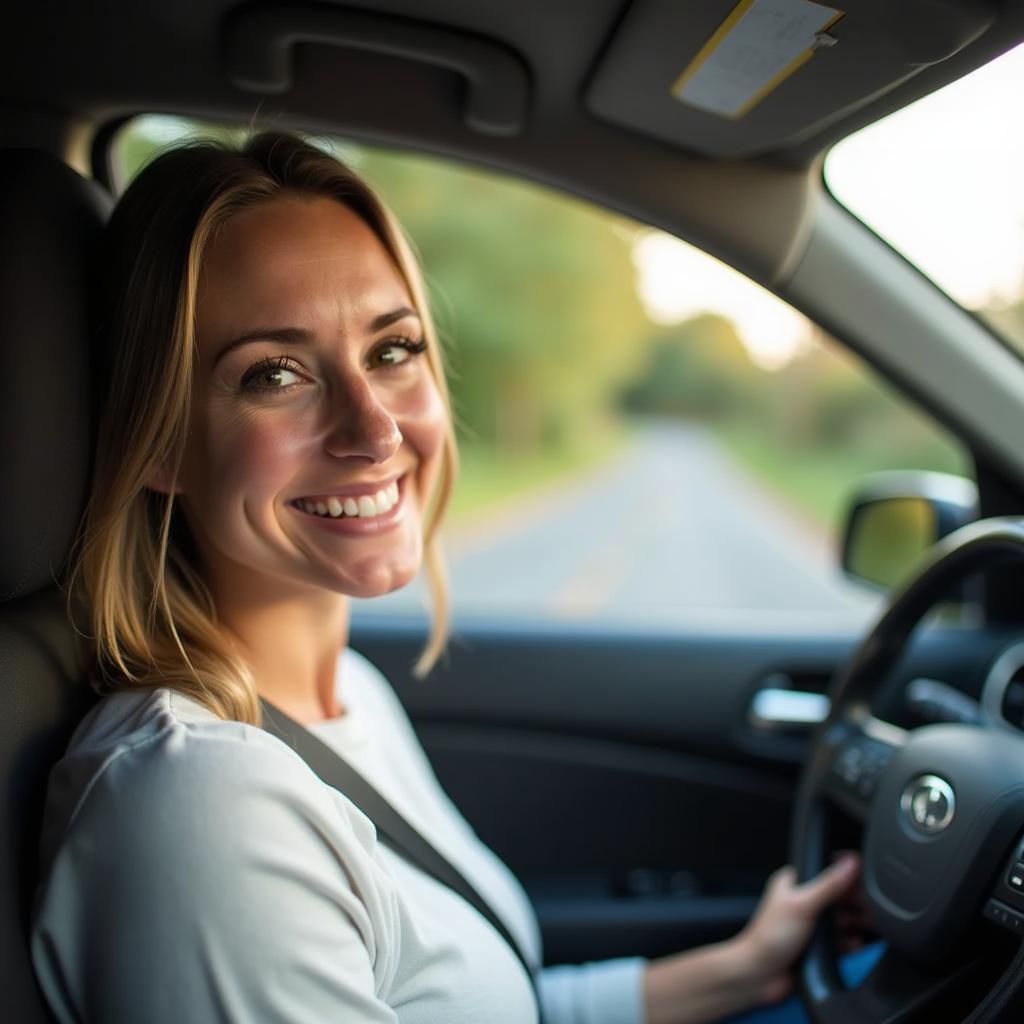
377	584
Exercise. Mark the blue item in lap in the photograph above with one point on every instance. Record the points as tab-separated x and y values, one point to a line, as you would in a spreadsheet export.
853	967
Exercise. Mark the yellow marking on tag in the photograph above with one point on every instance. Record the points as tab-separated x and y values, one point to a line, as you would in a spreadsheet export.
759	45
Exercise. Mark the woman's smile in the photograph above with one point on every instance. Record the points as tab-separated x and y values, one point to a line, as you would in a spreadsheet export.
371	513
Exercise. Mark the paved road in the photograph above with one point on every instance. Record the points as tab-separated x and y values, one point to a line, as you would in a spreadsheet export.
673	530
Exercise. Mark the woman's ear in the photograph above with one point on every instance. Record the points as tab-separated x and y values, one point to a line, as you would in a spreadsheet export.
160	479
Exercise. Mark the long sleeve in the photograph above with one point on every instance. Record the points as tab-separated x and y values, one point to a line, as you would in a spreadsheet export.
197	882
600	992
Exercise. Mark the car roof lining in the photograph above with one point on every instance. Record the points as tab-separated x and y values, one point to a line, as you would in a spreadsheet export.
147	54
751	212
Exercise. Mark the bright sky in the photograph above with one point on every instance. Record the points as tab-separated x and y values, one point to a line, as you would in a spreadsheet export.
942	181
676	281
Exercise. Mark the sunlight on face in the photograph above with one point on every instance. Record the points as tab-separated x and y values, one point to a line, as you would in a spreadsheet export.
312	381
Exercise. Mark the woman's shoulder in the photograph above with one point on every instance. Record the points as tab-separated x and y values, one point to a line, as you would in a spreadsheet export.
126	718
169	765
199	841
162	727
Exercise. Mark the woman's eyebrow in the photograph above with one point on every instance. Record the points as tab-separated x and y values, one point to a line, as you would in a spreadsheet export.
297	335
284	335
387	319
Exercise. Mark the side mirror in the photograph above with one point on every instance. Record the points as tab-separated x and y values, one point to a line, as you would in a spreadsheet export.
895	517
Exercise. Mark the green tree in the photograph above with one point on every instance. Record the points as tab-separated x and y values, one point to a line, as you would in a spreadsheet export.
535	290
698	369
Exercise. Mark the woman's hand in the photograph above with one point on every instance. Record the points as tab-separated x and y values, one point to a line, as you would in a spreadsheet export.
755	967
785	918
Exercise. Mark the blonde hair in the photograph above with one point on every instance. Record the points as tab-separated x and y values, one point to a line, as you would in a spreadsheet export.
154	622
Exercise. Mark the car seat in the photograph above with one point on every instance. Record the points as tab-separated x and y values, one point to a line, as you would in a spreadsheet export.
50	223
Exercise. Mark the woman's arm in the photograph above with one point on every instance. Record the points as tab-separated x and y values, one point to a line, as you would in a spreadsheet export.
201	880
753	968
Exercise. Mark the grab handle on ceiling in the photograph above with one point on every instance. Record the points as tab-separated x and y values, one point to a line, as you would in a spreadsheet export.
260	40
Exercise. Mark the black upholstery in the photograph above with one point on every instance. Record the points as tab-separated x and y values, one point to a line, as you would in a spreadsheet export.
50	221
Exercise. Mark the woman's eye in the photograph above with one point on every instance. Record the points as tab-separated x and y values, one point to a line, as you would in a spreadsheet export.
280	374
397	351
270	375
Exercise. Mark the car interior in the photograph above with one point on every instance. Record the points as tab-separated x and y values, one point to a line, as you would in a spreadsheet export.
641	780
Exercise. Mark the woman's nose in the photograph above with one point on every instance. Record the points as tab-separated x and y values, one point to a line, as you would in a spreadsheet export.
361	424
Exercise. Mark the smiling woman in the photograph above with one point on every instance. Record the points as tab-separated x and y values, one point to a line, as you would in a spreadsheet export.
271	432
312	369
289	447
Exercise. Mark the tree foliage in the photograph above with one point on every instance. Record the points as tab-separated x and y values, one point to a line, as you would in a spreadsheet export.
535	291
696	370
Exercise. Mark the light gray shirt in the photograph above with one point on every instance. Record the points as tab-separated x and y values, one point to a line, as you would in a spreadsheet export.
197	870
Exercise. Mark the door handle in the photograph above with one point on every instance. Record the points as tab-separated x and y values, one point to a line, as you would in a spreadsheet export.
776	709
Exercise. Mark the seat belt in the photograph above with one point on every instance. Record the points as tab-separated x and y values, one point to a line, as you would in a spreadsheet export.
392	828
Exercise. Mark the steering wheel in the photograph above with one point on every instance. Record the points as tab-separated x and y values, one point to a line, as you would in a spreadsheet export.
942	812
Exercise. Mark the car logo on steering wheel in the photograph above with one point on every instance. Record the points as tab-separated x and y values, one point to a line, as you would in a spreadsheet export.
929	803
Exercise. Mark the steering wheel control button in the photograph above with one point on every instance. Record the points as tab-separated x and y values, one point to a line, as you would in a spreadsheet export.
928	804
1004	915
1015	879
860	765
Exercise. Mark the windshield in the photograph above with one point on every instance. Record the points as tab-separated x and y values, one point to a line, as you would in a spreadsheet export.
940	181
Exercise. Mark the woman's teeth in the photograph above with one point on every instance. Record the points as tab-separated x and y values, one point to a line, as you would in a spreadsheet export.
365	506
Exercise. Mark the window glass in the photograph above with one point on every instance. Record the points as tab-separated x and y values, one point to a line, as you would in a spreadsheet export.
647	437
940	181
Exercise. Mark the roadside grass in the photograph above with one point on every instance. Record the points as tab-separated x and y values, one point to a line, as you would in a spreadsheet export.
820	480
817	480
489	476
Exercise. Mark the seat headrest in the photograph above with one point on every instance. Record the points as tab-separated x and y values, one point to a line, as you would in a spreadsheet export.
50	224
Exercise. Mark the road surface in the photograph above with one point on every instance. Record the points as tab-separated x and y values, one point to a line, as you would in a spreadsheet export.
672	529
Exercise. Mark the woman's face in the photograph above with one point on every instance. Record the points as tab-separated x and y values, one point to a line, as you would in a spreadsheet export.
312	397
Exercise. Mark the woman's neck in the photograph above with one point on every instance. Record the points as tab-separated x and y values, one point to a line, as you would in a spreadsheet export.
292	644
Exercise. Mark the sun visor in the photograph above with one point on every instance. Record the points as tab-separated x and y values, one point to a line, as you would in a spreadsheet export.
728	79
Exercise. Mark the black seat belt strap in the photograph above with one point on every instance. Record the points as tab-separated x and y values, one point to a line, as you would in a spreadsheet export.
392	828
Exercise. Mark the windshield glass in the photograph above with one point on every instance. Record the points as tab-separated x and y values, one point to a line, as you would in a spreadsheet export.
941	182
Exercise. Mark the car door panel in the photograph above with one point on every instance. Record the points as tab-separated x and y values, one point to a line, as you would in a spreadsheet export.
622	847
619	774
